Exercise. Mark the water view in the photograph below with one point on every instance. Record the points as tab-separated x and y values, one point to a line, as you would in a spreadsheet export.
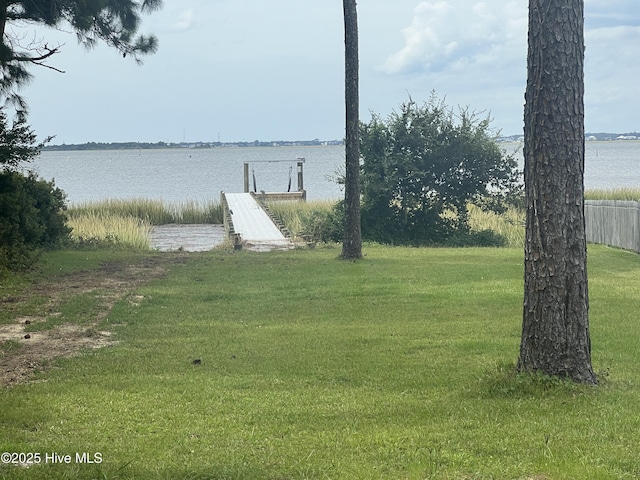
179	175
608	164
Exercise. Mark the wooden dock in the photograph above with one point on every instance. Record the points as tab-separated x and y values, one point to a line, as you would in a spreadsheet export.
250	226
248	221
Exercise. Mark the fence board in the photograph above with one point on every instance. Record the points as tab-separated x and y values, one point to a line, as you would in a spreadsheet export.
613	222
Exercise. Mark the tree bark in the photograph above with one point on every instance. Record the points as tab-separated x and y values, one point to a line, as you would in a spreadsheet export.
352	244
555	328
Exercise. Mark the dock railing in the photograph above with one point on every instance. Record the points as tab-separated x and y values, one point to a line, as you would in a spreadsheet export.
228	223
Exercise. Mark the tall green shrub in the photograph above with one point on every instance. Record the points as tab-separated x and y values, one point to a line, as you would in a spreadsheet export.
31	210
422	166
325	224
31	218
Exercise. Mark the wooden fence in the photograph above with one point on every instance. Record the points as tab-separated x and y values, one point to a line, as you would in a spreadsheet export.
613	222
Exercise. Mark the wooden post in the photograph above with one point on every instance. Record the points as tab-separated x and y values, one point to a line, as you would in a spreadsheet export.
246	177
300	175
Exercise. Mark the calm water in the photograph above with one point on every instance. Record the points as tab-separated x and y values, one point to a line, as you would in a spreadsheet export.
613	164
178	175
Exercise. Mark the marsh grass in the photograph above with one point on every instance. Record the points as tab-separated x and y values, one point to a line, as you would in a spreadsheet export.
197	212
313	220
113	221
154	212
127	222
510	225
109	229
397	366
613	194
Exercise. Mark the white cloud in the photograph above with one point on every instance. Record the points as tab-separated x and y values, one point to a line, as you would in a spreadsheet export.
445	35
221	57
423	42
599	13
611	72
184	21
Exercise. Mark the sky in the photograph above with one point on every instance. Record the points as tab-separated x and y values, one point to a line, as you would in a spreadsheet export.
233	71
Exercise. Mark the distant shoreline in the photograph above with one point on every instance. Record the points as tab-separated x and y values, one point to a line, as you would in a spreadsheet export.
590	137
631	136
187	145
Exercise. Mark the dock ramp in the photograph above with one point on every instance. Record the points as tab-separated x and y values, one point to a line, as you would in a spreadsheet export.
250	226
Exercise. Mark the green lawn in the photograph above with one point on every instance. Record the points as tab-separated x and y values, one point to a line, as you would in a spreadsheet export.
399	366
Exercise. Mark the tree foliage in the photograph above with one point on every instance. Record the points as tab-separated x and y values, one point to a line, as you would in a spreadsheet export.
115	22
31	217
17	143
31	209
422	166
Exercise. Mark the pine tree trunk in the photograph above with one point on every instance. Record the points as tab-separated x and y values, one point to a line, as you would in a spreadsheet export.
352	244
555	328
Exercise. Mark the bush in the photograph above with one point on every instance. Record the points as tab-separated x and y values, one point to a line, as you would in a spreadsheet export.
423	166
31	218
324	225
319	221
483	238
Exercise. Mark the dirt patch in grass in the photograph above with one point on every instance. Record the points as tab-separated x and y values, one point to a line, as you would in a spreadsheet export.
25	349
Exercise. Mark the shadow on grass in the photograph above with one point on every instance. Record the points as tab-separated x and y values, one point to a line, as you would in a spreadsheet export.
506	382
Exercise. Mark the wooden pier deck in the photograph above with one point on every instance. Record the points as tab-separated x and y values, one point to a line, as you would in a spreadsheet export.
249	225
